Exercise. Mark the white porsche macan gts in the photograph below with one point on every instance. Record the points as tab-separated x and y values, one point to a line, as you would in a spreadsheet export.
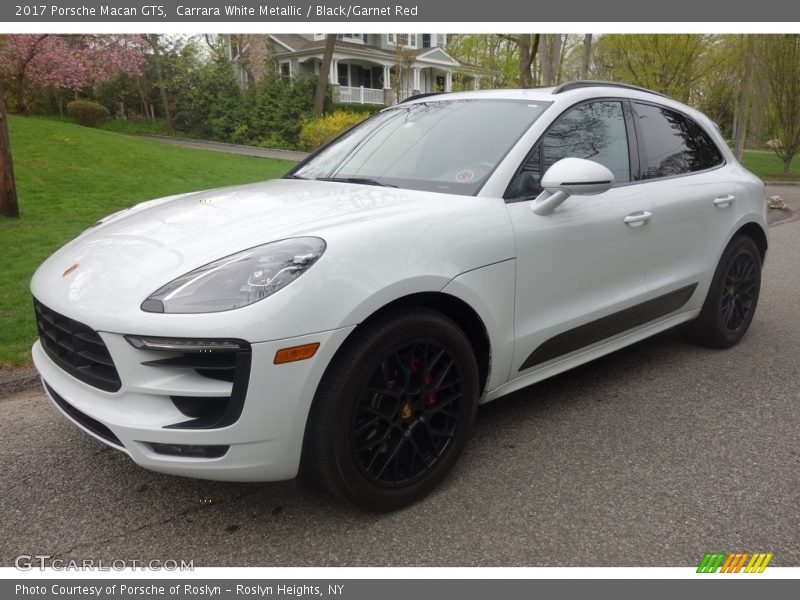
350	317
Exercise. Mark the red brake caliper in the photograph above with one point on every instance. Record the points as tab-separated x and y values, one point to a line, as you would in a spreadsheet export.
430	399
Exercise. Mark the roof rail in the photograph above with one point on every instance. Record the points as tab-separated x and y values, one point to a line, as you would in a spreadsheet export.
418	96
574	85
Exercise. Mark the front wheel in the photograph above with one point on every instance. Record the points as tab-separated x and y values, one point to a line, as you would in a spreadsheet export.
394	410
732	297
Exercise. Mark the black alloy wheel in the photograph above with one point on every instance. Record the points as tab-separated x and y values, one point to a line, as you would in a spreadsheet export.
740	292
732	297
394	410
407	415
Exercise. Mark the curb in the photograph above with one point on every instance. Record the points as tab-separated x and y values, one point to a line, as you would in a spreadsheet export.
18	380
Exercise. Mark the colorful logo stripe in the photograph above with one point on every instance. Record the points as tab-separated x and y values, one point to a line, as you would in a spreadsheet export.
734	562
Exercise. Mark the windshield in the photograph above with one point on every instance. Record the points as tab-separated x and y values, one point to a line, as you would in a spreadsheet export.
448	146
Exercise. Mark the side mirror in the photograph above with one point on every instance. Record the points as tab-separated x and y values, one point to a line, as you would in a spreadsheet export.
571	176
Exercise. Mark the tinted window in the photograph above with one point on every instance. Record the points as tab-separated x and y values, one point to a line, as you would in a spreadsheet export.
672	144
594	131
710	155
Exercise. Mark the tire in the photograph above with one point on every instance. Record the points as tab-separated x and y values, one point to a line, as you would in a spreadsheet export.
732	297
394	410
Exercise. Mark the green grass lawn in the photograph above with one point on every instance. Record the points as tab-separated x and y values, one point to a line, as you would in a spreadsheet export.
67	178
769	167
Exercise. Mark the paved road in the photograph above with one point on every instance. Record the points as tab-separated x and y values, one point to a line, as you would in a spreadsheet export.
231	148
651	456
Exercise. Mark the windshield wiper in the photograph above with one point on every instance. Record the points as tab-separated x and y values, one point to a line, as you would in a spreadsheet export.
293	177
362	180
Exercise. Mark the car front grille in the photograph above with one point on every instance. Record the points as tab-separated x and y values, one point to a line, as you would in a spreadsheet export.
76	348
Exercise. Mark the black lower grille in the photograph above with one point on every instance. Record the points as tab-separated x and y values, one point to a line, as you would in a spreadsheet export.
76	348
88	422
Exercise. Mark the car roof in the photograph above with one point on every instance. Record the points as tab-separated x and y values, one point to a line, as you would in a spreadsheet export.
567	94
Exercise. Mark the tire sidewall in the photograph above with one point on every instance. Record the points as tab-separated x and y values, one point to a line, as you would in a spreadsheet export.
712	310
357	487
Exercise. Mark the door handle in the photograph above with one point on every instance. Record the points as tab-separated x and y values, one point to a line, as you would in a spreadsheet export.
637	219
724	201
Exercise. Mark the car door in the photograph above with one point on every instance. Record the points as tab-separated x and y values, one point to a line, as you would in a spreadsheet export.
580	271
693	199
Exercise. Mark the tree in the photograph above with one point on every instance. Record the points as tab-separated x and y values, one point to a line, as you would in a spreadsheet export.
587	55
528	45
780	61
665	63
30	63
497	55
8	189
153	41
742	107
550	57
324	70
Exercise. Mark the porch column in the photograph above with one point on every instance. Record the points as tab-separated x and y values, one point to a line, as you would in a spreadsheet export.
477	82
333	73
416	80
387	83
448	81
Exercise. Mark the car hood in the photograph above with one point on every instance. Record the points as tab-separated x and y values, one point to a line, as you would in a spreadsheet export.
132	253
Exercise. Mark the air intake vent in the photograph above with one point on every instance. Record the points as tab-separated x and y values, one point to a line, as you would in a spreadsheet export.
76	348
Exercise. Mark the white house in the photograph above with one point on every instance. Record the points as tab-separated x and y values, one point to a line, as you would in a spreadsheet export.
367	68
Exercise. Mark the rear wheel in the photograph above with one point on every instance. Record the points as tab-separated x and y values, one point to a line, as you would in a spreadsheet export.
394	410
732	298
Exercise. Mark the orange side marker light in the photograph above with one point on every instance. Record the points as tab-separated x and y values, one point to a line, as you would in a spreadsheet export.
295	353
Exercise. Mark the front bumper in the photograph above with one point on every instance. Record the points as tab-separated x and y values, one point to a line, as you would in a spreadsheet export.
264	443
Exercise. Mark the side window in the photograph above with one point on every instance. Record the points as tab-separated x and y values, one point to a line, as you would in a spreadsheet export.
595	131
710	156
671	144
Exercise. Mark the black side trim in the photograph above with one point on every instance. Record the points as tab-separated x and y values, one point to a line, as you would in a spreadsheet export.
88	422
584	182
606	327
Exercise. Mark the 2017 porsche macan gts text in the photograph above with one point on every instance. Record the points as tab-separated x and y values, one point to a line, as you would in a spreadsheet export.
349	318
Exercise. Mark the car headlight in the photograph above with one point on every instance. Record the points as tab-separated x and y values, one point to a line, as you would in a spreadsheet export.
239	279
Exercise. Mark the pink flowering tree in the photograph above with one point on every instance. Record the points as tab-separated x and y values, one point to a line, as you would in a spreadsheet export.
30	62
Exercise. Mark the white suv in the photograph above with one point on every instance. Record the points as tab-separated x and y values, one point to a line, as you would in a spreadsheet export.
447	251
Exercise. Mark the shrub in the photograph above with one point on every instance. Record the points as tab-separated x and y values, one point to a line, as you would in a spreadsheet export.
279	107
316	132
87	113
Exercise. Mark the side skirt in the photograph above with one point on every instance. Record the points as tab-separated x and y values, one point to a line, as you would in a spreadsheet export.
609	326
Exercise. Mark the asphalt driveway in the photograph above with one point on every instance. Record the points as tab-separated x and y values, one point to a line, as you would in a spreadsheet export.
649	457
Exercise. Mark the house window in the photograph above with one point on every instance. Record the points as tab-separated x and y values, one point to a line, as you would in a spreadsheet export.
285	69
358	38
343	74
390	38
441	40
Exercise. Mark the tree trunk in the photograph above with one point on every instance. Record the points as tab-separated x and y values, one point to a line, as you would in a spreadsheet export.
740	120
162	88
787	163
324	71
587	55
555	58
545	60
8	189
525	80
